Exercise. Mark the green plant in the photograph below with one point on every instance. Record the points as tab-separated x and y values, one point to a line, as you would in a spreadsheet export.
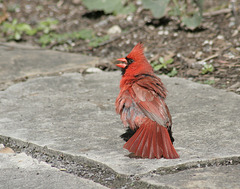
209	82
191	19
157	7
173	73
84	34
163	64
189	13
110	6
62	38
94	42
47	25
14	30
207	68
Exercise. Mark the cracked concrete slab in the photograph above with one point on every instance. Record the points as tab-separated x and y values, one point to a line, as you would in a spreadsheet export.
18	63
75	114
22	171
222	177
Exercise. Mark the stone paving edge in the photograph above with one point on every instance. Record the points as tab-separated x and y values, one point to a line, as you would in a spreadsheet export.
101	173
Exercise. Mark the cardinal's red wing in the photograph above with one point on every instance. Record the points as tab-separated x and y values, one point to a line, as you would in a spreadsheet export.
152	83
131	114
145	93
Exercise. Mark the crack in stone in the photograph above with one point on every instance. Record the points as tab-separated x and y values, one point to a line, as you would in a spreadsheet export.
77	165
234	160
101	173
7	84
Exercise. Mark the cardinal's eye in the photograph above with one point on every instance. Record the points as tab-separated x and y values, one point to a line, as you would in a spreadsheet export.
129	60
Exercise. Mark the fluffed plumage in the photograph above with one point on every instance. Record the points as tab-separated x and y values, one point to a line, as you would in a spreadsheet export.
141	105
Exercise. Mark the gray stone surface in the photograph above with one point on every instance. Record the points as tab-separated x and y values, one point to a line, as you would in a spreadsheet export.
223	177
75	115
17	64
22	171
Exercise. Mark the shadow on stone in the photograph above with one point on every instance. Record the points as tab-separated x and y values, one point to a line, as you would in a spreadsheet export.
127	135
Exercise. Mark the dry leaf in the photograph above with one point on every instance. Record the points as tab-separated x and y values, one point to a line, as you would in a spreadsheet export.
6	150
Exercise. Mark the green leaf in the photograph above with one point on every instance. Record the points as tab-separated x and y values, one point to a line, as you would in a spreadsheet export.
130	8
175	11
154	63
23	27
192	22
17	36
199	3
31	32
164	66
98	40
84	34
14	22
209	82
108	6
207	68
157	7
47	25
158	67
173	72
161	60
45	40
169	61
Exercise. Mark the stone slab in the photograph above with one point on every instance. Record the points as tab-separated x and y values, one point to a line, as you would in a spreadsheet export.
18	63
22	171
222	177
75	114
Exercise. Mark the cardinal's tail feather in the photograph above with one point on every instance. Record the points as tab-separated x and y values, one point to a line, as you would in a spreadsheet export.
151	140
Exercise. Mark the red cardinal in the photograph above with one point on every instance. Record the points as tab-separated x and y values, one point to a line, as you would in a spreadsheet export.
142	108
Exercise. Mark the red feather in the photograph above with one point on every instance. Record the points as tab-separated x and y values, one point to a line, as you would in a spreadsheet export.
141	105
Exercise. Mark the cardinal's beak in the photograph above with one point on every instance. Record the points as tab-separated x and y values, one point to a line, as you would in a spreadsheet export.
122	65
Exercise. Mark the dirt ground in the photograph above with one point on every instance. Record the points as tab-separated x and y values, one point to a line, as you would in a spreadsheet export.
216	42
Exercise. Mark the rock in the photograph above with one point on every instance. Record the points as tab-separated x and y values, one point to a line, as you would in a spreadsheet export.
193	64
129	18
114	30
193	72
160	32
166	32
92	70
220	37
175	34
101	23
198	55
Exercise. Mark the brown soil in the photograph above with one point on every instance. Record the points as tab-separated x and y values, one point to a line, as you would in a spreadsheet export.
216	42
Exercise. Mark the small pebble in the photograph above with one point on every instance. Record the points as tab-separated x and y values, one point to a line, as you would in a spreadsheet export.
179	55
220	37
166	32
175	34
160	32
205	42
114	30
151	27
93	70
129	18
